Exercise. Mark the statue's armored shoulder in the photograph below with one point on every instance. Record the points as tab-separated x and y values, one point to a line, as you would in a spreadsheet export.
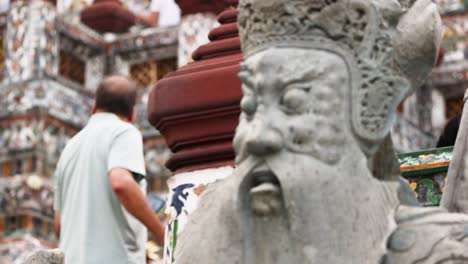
428	235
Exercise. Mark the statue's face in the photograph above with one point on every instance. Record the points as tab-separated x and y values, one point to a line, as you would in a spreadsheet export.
293	101
293	105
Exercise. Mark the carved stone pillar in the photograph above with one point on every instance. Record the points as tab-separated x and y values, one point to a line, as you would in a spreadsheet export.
32	42
197	109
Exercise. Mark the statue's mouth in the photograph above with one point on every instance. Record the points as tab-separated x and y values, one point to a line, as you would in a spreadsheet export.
265	192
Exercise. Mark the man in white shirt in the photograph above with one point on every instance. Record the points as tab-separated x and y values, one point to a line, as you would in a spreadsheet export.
102	213
164	13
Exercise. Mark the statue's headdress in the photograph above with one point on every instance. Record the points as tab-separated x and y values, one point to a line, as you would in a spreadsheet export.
389	45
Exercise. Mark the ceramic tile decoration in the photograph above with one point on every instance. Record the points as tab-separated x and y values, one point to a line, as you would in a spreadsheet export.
454	69
33	134
18	251
41	108
121	66
26	194
451	6
183	198
193	33
421	120
407	137
95	69
63	103
426	173
141	114
33	42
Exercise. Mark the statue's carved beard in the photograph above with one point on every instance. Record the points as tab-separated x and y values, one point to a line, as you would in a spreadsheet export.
291	208
263	209
309	204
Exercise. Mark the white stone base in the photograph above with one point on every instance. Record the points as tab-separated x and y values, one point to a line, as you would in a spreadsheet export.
186	190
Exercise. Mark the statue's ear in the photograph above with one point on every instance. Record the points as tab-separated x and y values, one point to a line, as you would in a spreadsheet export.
419	33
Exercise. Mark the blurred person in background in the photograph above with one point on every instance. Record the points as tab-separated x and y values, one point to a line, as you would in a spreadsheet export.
5	5
164	13
70	5
449	135
101	212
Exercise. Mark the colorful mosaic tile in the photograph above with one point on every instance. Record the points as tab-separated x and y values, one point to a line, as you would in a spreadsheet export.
193	33
23	194
17	251
426	172
41	108
186	190
33	42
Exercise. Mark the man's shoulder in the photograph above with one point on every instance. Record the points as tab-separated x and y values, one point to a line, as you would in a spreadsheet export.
68	151
122	130
110	130
73	141
113	127
125	127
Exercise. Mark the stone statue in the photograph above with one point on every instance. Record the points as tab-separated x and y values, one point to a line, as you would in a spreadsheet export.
53	256
316	178
455	199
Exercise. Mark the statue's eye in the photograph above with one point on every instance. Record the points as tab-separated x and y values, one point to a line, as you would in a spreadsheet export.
249	105
294	101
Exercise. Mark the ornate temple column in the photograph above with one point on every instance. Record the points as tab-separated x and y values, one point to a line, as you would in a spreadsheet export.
197	109
108	16
199	17
32	47
45	100
35	121
41	107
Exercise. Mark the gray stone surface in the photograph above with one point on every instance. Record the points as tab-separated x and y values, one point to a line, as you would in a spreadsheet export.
316	179
428	235
54	256
455	197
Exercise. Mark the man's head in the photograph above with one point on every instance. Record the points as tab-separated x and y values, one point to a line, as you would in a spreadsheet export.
116	94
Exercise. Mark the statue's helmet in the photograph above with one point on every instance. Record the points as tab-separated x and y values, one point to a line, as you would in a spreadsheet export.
389	46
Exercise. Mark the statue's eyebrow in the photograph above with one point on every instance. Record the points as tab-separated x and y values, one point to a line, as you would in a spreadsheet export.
300	77
301	82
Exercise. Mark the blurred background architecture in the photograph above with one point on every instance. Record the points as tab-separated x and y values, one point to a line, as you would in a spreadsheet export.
53	55
423	116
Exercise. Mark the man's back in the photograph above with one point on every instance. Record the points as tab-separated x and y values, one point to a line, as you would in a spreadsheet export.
95	228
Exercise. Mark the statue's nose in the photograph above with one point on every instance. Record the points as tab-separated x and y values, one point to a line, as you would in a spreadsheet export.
263	140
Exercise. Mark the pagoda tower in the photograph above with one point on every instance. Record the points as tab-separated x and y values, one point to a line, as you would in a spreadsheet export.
50	66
